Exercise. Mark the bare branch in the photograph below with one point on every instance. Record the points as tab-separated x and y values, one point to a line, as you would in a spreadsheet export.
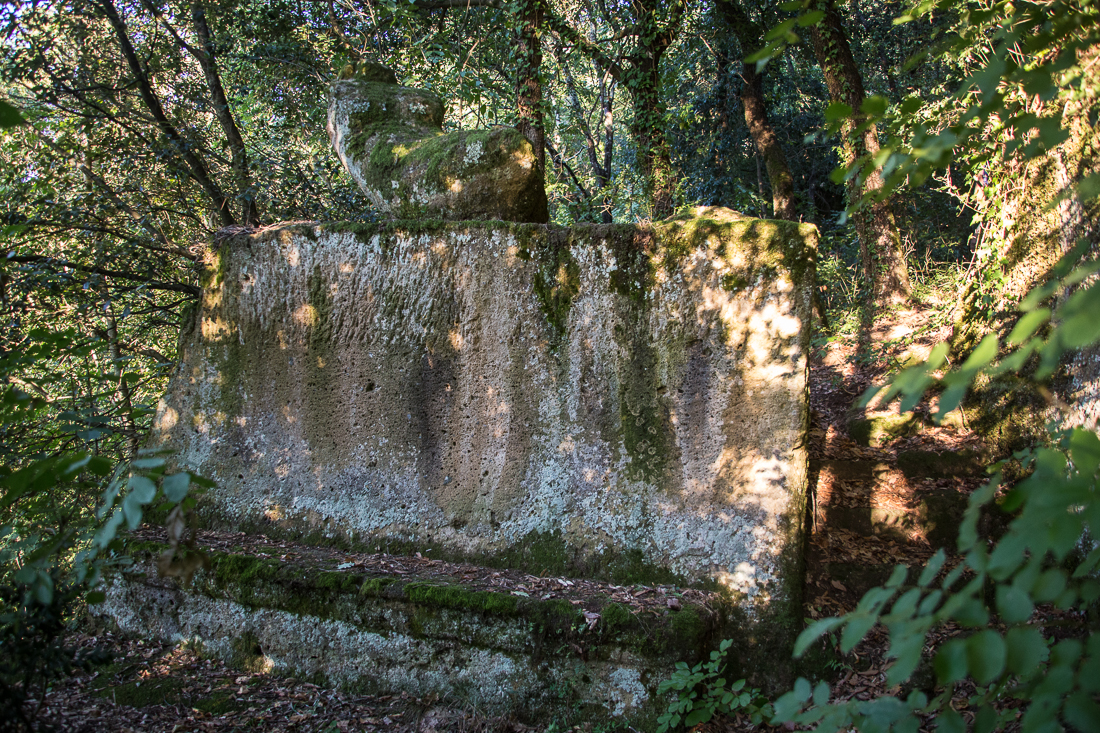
57	265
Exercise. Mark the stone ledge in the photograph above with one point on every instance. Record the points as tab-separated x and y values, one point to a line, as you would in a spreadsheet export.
595	647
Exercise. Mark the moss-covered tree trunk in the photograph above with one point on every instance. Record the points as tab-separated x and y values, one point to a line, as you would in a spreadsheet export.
883	261
751	37
528	15
639	72
647	130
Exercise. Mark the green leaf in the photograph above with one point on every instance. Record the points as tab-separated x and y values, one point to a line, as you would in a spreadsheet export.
802	689
898	576
874	106
697	716
1088	187
985	656
142	489
1026	650
131	509
821	694
986	720
949	721
932	568
175	487
982	354
837	111
906	646
812	17
43	592
814	632
95	597
1027	325
857	627
9	116
780	31
1051	133
145	464
787	707
1013	604
1084	449
1083	713
1079	318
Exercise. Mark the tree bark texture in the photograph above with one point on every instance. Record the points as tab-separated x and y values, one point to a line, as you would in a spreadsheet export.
528	15
882	259
751	37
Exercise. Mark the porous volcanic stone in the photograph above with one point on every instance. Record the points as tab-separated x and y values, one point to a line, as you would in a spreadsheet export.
604	401
390	139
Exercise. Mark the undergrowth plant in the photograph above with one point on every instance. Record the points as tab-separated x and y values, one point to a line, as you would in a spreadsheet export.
1007	662
702	692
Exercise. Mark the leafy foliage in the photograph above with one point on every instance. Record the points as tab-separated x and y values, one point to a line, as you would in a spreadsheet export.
1018	672
702	693
1048	556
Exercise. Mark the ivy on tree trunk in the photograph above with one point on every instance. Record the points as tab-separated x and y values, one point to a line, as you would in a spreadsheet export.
882	259
528	15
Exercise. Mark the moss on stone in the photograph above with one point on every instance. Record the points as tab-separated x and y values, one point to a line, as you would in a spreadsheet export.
644	415
876	432
163	691
617	617
556	280
375	587
688	627
452	596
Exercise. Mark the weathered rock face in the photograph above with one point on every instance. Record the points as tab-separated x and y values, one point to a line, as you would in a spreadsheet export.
598	399
390	139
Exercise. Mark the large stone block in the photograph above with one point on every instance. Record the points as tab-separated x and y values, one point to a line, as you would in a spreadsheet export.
602	400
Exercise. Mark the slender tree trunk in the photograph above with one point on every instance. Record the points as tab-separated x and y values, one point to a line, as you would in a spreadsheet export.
122	387
751	37
640	74
250	216
883	261
195	167
603	172
528	15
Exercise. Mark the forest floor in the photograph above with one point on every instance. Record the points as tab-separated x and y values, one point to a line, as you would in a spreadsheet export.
869	512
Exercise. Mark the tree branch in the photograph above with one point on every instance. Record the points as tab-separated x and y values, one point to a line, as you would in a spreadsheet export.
558	161
250	215
445	4
55	263
570	34
196	166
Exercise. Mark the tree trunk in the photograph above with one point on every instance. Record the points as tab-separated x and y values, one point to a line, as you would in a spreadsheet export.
193	164
881	256
246	192
528	15
603	172
751	37
640	74
643	78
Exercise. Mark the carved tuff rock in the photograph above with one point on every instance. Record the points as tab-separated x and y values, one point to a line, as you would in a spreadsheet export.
390	139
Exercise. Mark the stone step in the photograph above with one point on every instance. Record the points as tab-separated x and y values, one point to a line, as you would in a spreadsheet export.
503	641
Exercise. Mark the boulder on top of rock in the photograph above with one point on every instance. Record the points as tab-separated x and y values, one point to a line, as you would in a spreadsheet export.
390	139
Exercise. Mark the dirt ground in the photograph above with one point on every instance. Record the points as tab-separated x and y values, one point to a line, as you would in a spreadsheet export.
849	480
